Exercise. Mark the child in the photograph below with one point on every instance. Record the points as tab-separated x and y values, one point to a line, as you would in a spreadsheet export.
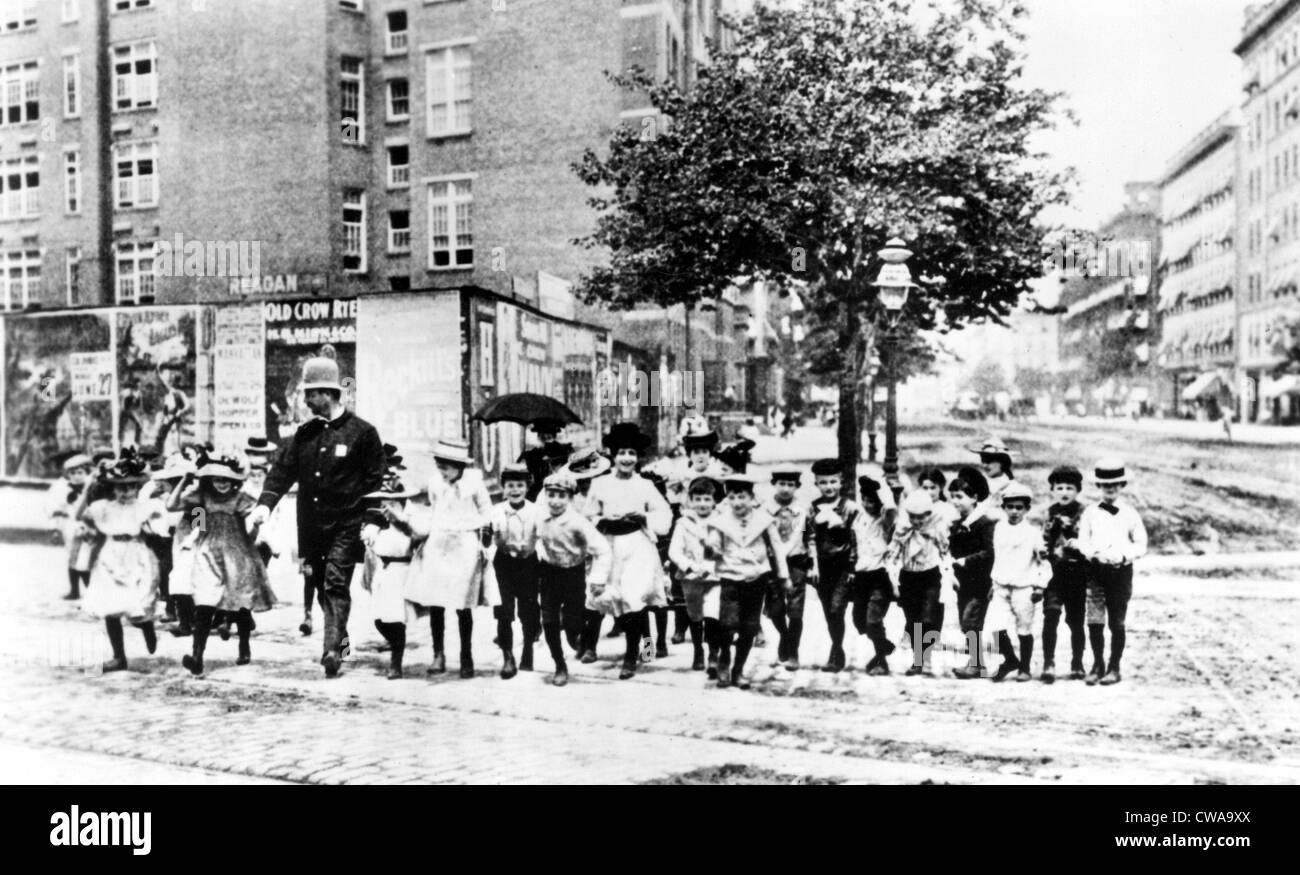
227	575
1068	587
694	552
1112	537
260	452
514	529
565	540
631	513
918	550
932	480
124	573
970	541
698	442
794	538
64	495
448	571
550	454
872	588
1017	578
584	466
177	568
748	558
389	550
835	520
995	464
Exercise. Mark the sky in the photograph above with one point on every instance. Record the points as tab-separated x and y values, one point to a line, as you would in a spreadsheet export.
1142	76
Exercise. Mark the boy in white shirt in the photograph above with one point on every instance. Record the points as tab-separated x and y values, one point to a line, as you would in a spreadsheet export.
1111	537
514	530
1018	579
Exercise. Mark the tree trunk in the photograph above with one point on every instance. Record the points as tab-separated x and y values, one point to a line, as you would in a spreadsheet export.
849	430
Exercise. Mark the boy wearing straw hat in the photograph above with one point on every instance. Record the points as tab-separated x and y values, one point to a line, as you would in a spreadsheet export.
1111	537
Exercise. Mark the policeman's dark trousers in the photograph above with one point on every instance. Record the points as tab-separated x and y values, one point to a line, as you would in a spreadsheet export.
331	564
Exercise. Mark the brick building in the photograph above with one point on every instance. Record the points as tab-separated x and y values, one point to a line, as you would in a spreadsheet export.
1268	211
1197	301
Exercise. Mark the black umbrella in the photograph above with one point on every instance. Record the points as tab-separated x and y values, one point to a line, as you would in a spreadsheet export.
525	408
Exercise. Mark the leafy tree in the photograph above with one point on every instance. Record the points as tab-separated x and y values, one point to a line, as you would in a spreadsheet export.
822	132
987	379
1033	382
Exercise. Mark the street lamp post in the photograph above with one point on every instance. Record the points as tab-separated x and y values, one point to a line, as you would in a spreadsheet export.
893	285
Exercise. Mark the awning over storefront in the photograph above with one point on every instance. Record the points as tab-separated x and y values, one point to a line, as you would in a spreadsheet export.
1204	385
1285	385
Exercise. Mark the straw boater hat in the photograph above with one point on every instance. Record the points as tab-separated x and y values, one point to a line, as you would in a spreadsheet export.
787	472
586	464
452	450
918	502
741	479
174	468
626	435
320	373
229	467
76	460
1017	491
1109	470
259	446
561	480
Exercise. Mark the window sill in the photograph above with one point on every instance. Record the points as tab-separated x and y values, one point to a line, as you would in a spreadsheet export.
28	28
122	110
399	186
449	135
402	53
134	209
402	252
398	120
360	144
452	267
29	218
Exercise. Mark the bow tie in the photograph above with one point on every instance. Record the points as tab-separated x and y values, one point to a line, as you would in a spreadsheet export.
1109	508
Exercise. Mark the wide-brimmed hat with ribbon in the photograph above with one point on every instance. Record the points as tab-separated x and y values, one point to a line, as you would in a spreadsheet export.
174	467
452	450
626	435
77	460
393	490
128	467
229	467
735	455
993	446
588	463
1109	470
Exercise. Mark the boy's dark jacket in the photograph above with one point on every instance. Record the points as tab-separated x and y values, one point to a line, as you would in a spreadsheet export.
974	543
1062	525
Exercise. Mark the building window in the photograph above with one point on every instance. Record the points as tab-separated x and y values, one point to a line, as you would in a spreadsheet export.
72	273
71	86
451	229
449	88
399	100
396	44
125	5
22	276
71	10
353	100
135	175
399	166
21	89
399	231
354	231
72	180
17	15
135	76
135	278
20	188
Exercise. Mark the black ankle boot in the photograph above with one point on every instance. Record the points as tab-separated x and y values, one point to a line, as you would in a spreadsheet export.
202	627
150	637
508	667
526	655
397	640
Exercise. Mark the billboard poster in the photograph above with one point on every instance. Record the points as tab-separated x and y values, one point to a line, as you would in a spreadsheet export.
239	375
409	373
156	377
44	422
295	332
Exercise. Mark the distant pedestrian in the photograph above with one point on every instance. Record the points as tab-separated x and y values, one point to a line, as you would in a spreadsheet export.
787	425
124	573
1227	424
1111	537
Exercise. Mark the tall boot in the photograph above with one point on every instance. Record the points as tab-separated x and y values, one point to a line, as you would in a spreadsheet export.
555	643
244	623
1097	638
308	596
1026	654
437	627
397	640
506	640
835	625
794	635
681	624
1010	662
661	633
202	628
632	634
724	657
1077	639
1050	623
150	636
465	622
782	627
184	615
590	635
113	625
526	649
697	646
744	643
74	585
712	637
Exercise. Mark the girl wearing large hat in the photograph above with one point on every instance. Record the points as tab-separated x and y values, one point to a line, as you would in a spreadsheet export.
389	550
227	574
124	573
449	569
629	510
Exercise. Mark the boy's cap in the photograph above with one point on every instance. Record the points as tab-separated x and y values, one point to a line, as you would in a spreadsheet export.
792	474
77	460
1067	474
918	502
561	480
705	483
1017	491
515	471
1109	470
825	467
740	481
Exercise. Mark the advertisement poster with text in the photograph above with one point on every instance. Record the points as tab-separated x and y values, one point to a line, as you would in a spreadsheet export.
295	332
156	377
